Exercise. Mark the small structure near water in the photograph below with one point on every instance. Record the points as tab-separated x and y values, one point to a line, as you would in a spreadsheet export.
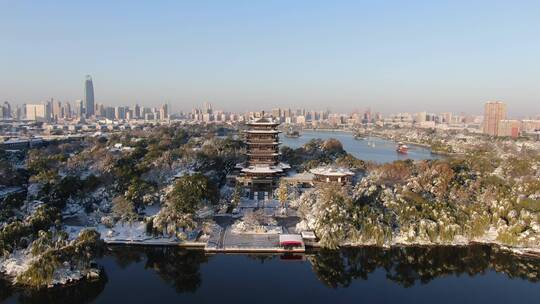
332	175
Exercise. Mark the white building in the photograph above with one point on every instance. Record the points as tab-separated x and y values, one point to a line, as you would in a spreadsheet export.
37	112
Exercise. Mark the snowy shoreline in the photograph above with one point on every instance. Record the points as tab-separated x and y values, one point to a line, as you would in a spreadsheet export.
518	251
70	278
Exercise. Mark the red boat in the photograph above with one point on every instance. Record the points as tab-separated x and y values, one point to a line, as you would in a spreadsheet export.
402	148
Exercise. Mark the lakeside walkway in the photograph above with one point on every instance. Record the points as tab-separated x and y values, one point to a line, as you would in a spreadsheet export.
227	241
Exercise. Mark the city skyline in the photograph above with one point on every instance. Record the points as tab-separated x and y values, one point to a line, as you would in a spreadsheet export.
420	56
88	108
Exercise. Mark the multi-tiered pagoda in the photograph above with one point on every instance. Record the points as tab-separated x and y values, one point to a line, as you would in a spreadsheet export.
260	174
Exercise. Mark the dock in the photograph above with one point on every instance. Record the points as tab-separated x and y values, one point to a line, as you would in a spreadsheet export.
224	240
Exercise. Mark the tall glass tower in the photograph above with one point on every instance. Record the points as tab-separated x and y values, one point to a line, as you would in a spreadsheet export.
88	96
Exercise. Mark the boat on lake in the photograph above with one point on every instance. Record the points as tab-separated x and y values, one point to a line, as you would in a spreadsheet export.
292	134
360	136
402	148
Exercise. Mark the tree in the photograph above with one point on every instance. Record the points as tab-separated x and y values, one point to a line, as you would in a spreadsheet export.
237	194
136	191
333	146
282	193
188	193
123	209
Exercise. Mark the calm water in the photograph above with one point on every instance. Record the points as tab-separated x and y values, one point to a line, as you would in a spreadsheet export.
476	274
371	149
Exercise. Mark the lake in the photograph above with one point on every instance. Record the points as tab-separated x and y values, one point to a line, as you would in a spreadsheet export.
474	274
369	149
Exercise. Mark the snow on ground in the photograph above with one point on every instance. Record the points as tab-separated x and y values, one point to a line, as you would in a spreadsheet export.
134	233
121	232
242	227
18	262
151	210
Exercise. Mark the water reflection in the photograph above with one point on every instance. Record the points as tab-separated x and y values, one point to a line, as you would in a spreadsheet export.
179	268
182	269
408	266
79	293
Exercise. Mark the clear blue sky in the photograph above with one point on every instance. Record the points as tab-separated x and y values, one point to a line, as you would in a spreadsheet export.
343	55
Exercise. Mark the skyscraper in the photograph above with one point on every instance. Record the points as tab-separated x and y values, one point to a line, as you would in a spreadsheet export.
88	96
208	108
57	110
36	112
6	110
79	108
137	112
164	112
494	112
67	110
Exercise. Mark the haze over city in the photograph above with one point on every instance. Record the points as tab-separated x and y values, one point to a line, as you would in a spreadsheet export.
242	55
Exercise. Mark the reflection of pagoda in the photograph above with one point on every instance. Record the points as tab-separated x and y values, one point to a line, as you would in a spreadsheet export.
261	173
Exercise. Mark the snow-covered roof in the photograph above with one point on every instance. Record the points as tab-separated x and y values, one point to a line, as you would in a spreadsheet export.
266	168
263	131
331	171
263	121
263	143
264	153
290	240
262	169
284	166
309	235
299	177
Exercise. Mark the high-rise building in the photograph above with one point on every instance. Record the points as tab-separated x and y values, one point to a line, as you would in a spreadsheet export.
57	110
6	110
67	110
18	113
120	113
164	112
109	112
137	112
420	117
510	128
208	108
88	96
447	117
36	112
79	108
494	112
48	110
100	110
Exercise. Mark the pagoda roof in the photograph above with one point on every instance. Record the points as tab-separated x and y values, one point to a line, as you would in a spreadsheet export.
249	142
266	168
263	131
262	169
263	121
331	171
264	154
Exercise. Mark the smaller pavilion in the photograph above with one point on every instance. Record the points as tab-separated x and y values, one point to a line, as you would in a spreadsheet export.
332	175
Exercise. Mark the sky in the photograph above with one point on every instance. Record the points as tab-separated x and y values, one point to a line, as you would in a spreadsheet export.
391	56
